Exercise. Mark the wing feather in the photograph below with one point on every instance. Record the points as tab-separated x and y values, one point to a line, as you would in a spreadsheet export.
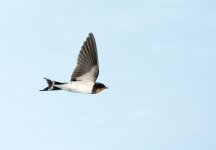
87	68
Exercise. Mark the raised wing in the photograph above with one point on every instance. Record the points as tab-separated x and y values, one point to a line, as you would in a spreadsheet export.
87	68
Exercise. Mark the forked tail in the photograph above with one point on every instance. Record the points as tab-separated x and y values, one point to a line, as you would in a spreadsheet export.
50	86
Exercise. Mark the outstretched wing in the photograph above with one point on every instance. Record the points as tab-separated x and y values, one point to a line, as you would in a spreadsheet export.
87	68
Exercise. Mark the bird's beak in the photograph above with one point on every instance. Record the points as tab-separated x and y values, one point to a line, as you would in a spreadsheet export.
106	88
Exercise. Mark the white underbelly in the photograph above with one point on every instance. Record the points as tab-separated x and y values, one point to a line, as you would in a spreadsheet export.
77	86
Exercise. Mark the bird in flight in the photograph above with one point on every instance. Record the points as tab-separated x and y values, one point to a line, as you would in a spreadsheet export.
83	79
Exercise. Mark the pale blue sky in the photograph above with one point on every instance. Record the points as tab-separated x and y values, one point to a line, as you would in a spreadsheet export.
158	59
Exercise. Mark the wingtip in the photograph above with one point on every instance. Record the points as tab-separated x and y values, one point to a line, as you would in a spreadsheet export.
91	34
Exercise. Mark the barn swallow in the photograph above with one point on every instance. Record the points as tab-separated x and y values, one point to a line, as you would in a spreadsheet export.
83	79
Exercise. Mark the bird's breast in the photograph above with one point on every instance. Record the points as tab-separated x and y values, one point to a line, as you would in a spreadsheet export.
80	87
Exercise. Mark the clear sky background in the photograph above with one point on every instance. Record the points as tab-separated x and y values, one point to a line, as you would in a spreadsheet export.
158	59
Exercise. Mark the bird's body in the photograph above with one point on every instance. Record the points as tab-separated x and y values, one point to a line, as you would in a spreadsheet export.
85	74
76	86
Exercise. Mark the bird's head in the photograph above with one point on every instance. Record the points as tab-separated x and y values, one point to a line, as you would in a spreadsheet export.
98	87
